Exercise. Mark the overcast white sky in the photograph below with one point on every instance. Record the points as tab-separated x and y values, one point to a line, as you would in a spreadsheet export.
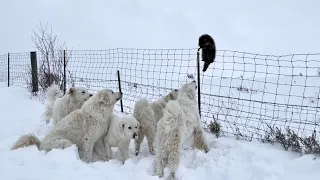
268	27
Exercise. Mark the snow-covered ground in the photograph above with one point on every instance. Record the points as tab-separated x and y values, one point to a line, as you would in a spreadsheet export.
228	159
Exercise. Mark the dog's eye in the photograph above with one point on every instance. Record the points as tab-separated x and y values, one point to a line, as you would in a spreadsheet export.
129	127
176	90
83	92
136	127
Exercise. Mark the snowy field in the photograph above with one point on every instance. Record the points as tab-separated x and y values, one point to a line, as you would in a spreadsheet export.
228	159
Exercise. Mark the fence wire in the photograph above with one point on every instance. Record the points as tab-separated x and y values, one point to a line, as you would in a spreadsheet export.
252	96
4	68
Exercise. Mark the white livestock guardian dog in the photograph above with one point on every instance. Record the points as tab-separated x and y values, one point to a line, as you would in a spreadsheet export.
121	130
180	123
148	115
83	127
60	105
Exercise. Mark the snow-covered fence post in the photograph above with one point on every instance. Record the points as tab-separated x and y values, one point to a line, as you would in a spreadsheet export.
34	71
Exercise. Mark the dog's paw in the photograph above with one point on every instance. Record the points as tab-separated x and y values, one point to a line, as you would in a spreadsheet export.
159	173
152	152
105	159
206	150
172	176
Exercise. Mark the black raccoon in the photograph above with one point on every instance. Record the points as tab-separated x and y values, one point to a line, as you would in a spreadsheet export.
208	46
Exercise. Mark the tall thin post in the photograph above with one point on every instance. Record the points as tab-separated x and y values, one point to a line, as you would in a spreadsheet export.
64	72
199	98
119	83
34	71
8	69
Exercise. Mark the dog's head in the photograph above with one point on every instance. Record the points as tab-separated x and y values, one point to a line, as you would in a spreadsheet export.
188	91
129	126
107	97
173	95
79	94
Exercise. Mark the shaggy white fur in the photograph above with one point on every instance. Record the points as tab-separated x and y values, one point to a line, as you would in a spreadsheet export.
59	105
83	127
148	114
180	122
121	131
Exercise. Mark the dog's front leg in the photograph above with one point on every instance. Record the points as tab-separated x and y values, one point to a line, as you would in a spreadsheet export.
100	148
108	150
124	150
88	148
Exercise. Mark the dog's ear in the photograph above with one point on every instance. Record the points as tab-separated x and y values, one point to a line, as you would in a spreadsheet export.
104	98
71	91
171	96
191	93
122	124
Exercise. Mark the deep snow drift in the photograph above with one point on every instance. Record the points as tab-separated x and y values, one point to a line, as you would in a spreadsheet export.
228	159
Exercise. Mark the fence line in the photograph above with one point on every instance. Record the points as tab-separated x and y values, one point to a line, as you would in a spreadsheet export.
252	96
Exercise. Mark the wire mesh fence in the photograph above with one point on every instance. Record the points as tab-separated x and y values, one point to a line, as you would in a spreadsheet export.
4	68
252	96
19	68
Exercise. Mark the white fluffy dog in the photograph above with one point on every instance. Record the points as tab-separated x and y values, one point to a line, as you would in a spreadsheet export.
60	105
121	130
180	122
148	115
83	127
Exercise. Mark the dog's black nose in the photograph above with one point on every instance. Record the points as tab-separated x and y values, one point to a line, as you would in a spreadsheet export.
91	95
134	135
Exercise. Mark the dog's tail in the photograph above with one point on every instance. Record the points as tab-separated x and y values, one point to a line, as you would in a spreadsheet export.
172	115
26	140
139	108
53	92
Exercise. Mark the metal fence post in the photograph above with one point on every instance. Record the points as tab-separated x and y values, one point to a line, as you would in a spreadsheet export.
64	72
34	71
199	95
8	69
119	83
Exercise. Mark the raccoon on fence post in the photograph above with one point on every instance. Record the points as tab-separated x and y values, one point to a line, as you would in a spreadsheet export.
208	48
34	71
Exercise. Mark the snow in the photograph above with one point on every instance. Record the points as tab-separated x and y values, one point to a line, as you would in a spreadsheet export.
228	159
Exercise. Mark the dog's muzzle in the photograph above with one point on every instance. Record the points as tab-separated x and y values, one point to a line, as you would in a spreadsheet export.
135	135
120	97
